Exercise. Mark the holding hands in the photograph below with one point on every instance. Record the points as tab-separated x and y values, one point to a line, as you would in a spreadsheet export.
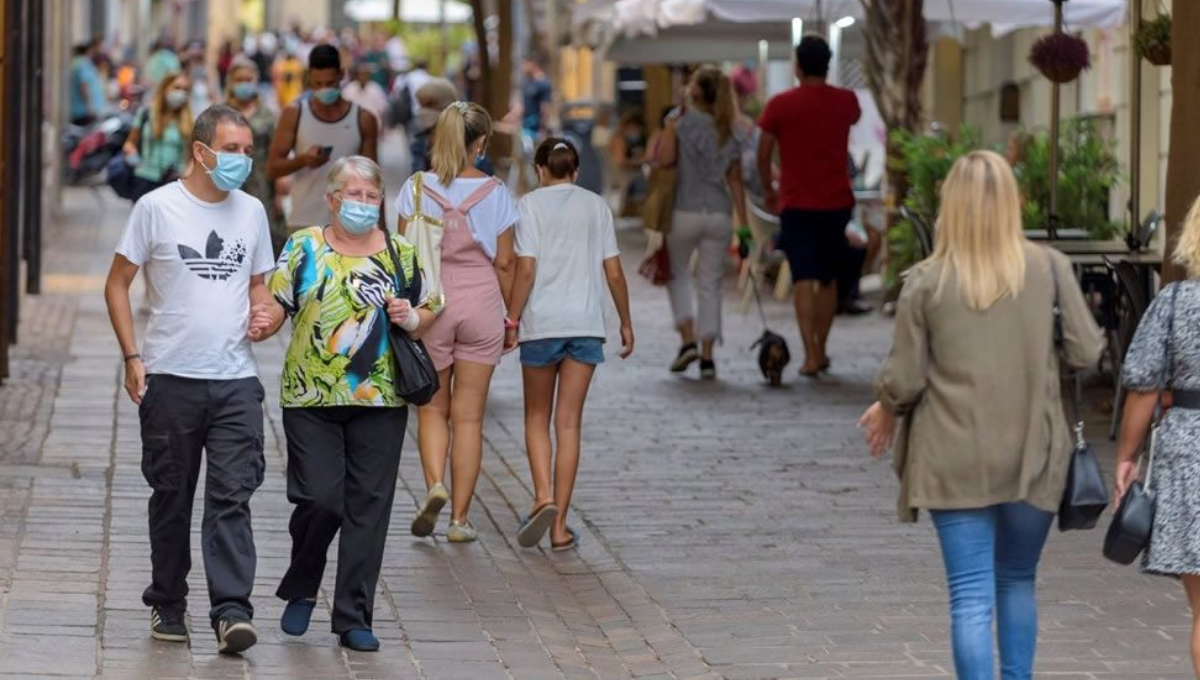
265	320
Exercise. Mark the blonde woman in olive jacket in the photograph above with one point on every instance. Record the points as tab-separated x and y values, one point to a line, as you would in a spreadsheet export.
974	373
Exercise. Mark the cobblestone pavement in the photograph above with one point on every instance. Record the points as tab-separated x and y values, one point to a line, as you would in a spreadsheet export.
728	530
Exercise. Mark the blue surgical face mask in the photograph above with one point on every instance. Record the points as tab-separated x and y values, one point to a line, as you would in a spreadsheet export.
358	218
328	95
245	91
231	170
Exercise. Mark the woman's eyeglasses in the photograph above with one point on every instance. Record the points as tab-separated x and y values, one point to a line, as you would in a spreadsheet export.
362	197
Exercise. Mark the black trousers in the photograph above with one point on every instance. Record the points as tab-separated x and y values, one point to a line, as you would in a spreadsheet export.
342	466
183	419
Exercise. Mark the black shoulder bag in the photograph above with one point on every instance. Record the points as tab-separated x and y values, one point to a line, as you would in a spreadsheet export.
1129	534
1086	494
416	379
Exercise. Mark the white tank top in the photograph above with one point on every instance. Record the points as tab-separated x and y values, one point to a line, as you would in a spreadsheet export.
308	184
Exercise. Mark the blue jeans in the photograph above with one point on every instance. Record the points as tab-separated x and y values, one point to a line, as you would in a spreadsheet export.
552	351
991	557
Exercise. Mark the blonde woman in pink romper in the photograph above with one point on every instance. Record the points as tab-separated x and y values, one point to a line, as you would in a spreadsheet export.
466	340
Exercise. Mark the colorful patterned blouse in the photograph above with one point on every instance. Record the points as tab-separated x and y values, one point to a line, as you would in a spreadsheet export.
339	354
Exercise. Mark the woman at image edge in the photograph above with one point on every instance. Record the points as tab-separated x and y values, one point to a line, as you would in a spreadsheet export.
1175	540
974	372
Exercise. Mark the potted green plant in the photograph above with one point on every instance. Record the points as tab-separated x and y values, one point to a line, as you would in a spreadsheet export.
1088	169
1060	56
924	160
1153	40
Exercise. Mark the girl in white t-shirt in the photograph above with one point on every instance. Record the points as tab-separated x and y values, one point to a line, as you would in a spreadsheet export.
566	251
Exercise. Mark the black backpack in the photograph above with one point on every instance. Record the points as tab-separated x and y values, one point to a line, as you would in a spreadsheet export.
400	110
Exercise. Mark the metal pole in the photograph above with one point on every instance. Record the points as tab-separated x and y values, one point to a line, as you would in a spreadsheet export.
35	35
60	49
554	61
445	33
1135	122
15	85
1055	106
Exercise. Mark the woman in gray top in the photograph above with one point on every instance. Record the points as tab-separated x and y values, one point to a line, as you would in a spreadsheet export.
1165	355
702	144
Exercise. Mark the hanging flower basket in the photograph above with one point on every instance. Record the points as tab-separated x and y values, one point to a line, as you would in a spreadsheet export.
1153	40
1060	57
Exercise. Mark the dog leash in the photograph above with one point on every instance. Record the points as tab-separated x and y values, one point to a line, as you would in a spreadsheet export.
758	299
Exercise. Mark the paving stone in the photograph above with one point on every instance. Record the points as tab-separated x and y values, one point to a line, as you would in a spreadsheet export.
728	530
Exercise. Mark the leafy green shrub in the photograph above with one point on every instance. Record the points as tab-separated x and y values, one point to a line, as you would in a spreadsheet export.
1088	170
925	161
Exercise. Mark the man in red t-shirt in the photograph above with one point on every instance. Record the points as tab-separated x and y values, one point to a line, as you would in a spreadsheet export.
811	125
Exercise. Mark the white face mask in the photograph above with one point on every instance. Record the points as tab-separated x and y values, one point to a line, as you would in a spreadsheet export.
177	99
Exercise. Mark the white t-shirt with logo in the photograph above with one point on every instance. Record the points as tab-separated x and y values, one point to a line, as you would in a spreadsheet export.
570	232
198	258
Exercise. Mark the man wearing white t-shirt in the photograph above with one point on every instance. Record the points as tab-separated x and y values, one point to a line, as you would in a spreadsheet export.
205	247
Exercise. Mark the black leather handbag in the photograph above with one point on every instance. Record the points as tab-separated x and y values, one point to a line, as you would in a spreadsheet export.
1129	534
1086	494
415	378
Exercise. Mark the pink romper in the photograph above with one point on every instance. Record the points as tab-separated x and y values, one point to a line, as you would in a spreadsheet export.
471	327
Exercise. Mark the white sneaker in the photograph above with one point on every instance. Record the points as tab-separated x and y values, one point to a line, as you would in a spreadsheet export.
427	516
461	532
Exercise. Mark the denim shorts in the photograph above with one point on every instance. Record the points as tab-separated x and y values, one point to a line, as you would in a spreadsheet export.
551	351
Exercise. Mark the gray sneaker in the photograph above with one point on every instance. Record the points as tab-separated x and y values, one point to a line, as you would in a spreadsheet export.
427	516
234	636
167	624
461	532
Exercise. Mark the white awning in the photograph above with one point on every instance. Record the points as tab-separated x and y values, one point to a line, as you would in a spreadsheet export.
643	17
423	12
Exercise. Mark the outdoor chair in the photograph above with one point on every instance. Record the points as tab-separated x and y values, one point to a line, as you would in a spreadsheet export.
764	229
1130	305
922	230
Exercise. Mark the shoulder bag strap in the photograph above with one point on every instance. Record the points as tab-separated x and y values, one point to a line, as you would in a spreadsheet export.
418	190
415	285
1168	370
398	275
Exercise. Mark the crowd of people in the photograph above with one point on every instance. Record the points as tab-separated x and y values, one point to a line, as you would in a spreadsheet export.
472	272
226	266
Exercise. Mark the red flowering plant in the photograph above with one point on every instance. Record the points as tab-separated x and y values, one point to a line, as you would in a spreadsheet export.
1060	56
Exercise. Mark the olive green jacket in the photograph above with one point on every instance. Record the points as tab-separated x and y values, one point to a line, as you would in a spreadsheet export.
979	392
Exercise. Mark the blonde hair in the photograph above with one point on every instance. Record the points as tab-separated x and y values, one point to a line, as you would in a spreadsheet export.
458	127
717	99
159	111
239	64
979	234
1187	248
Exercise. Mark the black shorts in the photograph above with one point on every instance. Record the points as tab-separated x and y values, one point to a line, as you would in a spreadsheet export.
814	242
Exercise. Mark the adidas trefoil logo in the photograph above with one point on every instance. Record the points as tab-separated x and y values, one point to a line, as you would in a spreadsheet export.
219	260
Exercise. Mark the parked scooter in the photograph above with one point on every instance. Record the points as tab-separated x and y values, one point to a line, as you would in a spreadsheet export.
88	150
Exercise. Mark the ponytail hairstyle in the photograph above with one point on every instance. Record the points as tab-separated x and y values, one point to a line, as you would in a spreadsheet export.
716	98
558	157
458	127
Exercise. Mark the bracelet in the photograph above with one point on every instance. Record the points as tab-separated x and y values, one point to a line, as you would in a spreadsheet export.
131	357
510	325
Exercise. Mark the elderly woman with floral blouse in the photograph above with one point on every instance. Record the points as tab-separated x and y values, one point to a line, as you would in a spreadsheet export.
343	420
